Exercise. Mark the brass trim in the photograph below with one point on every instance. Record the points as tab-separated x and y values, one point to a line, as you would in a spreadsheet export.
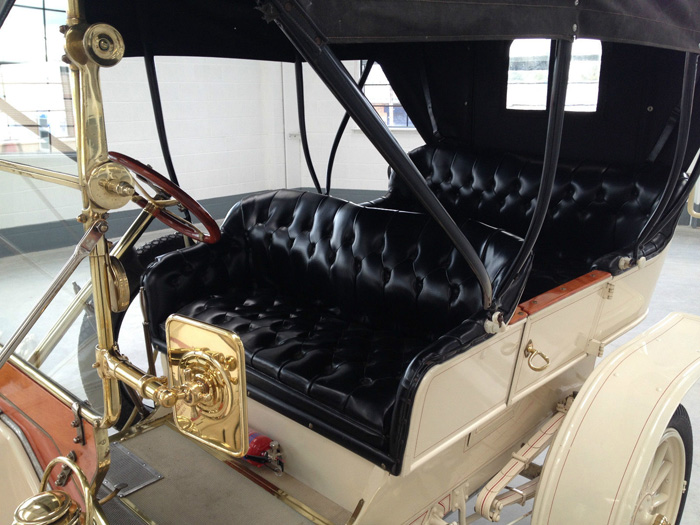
356	512
137	511
207	383
118	285
100	435
32	172
77	304
93	512
291	501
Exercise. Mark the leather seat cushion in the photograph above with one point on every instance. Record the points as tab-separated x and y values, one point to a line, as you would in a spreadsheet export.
331	300
311	349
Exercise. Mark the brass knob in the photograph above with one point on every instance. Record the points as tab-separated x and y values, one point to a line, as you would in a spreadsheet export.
531	353
48	508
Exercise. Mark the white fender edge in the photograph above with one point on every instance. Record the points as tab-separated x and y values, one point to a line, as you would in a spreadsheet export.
600	456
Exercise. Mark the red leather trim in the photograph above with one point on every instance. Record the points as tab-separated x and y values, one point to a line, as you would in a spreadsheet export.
46	423
554	295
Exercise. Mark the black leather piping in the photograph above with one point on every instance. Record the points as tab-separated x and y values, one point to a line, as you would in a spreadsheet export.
459	340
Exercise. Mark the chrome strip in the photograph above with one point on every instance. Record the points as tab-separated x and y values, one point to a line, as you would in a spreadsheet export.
25	443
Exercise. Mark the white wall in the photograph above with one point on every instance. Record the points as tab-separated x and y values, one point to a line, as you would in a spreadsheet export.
357	165
231	126
223	121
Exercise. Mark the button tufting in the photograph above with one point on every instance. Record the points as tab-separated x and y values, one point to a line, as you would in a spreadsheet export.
358	264
386	275
419	285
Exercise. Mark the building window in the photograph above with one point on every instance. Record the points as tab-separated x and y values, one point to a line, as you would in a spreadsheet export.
385	102
584	76
36	111
528	75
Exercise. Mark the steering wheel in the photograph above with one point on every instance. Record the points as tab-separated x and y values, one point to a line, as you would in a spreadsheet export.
157	206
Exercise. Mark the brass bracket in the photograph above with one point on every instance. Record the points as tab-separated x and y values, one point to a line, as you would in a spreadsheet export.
65	473
77	423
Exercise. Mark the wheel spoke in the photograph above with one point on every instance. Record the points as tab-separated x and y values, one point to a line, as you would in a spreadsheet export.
661	476
659	458
659	499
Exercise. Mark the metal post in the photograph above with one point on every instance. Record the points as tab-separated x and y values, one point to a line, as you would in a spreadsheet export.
689	75
555	126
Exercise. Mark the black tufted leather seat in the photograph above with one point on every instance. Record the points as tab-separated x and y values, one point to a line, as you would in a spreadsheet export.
339	307
595	209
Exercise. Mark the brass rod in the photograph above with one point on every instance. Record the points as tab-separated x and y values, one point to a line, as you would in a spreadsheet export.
33	172
91	238
77	304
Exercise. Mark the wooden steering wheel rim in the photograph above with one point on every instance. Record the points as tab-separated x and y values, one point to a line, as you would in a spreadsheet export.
213	233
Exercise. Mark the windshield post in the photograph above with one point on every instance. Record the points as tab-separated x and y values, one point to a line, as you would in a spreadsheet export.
87	49
310	44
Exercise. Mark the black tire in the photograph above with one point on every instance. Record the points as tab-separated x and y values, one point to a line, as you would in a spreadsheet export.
135	262
681	423
664	492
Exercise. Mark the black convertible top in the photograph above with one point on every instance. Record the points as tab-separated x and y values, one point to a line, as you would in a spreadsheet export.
237	28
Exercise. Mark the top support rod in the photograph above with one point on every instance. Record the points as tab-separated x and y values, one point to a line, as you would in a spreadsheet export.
555	127
686	107
310	44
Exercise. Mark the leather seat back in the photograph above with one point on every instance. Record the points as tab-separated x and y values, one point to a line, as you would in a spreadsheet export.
595	209
384	268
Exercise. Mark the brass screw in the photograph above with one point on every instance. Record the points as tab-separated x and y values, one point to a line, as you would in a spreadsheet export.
82	218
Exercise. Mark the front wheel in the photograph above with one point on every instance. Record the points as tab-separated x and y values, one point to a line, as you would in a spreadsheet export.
663	493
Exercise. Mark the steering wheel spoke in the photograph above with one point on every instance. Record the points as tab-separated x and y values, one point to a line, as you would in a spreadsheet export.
168	194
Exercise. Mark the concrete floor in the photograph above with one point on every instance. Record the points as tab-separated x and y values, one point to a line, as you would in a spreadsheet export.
25	277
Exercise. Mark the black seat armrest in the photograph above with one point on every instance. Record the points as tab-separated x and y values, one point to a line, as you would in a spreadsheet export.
179	277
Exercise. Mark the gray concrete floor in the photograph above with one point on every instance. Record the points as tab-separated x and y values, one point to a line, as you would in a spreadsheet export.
25	277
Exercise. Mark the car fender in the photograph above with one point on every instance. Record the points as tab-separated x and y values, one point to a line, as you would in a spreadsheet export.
601	455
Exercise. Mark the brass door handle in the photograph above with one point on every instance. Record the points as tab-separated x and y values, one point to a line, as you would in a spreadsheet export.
531	352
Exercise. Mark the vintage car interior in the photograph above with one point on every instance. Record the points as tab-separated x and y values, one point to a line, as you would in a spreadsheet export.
342	308
411	352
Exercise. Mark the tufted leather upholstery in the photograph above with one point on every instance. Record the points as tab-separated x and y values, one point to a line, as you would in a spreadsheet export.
595	209
333	301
